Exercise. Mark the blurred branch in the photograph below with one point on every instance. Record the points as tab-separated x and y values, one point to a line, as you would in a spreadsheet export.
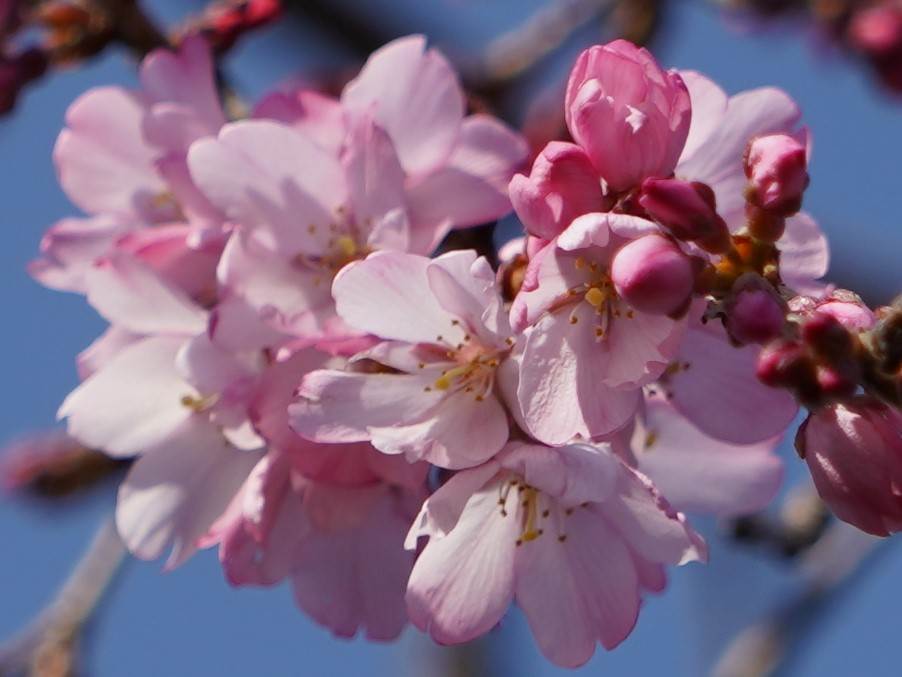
47	647
828	569
515	52
799	526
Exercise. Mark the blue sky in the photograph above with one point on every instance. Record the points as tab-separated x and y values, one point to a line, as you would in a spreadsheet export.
190	622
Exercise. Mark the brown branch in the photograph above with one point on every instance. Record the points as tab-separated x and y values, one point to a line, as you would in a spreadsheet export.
48	645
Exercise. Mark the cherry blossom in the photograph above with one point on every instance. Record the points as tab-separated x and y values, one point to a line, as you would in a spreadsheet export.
431	394
571	534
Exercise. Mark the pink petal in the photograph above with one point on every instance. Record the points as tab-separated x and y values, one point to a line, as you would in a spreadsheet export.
132	402
271	178
480	168
649	525
169	252
177	489
720	393
462	432
103	349
289	297
185	81
462	583
709	105
129	294
338	406
104	165
442	510
374	175
354	579
580	591
71	246
414	94
381	294
697	473
562	390
804	255
318	116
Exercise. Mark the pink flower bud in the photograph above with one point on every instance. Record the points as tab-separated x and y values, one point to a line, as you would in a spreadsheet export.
653	275
826	336
562	185
853	315
686	209
876	31
854	453
784	364
631	116
777	168
755	314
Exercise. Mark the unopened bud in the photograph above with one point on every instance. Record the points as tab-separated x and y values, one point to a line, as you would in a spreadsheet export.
826	336
784	364
653	275
876	31
686	209
755	313
777	169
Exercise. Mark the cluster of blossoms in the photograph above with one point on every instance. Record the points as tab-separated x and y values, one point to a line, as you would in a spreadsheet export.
870	30
426	439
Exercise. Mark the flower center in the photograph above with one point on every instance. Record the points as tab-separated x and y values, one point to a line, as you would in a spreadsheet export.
537	512
598	291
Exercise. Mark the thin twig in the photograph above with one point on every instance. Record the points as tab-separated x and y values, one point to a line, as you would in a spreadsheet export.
515	52
59	623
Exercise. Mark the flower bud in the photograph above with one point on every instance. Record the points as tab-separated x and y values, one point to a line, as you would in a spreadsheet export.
826	336
854	316
562	185
755	313
686	209
785	364
653	275
777	168
628	114
854	453
876	31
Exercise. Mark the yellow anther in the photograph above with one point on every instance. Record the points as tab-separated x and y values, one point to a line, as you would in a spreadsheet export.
444	381
346	245
199	404
531	503
596	298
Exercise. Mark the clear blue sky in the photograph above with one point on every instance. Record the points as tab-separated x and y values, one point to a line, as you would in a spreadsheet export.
190	622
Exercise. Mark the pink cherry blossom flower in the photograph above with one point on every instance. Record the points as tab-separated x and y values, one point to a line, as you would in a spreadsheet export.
571	534
630	116
587	351
304	215
854	453
414	94
341	548
170	396
121	160
432	395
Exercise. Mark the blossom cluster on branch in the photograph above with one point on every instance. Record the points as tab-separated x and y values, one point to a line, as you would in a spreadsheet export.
410	436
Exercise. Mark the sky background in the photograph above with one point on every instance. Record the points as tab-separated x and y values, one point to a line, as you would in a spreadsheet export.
189	622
